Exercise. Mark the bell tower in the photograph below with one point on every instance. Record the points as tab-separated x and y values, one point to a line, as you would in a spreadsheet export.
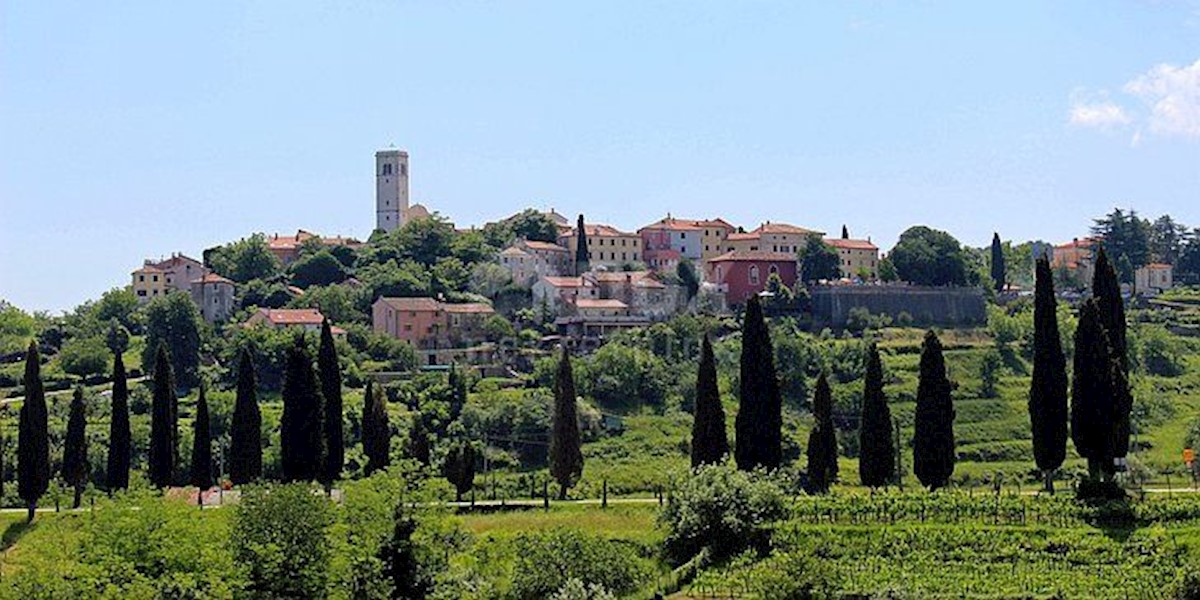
391	188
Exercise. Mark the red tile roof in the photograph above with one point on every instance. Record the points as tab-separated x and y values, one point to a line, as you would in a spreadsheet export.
290	242
1158	266
212	278
412	304
851	244
770	227
1083	243
755	255
543	246
563	281
292	316
600	230
738	237
672	224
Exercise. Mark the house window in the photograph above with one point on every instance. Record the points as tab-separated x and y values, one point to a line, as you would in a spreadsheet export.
141	278
754	275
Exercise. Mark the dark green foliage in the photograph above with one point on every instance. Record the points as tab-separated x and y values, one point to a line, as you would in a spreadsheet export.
33	441
1048	387
686	271
376	434
279	537
933	428
331	393
925	256
709	441
244	260
119	437
531	225
245	435
818	260
301	428
721	508
164	420
759	422
319	268
822	440
547	560
75	459
876	447
989	373
1126	239
202	460
1107	292
999	273
173	321
581	248
458	392
459	468
400	560
418	440
566	453
1094	411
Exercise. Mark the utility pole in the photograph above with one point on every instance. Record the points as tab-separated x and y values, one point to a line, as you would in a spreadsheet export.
899	454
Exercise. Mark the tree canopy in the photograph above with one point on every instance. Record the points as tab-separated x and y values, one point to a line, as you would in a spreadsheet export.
925	256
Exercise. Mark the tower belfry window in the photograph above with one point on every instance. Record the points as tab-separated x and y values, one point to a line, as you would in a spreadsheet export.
387	169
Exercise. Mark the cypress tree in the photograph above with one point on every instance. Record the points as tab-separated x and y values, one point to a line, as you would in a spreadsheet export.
459	468
876	449
245	431
458	392
1094	410
331	392
566	454
1048	388
33	441
933	433
164	432
1106	289
582	262
119	438
759	421
376	436
301	428
75	461
709	442
202	475
999	270
822	440
399	557
845	233
418	440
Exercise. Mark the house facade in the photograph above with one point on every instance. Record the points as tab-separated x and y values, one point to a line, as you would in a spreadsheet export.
149	283
741	274
429	324
771	237
607	246
527	261
156	278
857	259
1154	278
666	242
307	319
213	295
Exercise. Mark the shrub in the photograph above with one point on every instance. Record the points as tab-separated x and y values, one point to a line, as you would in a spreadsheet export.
548	560
84	357
720	508
279	540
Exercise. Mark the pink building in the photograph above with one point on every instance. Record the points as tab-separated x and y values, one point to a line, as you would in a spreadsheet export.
428	324
743	273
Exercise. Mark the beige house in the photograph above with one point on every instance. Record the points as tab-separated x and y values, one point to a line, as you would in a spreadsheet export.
157	277
1153	278
213	295
857	259
770	237
149	283
528	261
608	247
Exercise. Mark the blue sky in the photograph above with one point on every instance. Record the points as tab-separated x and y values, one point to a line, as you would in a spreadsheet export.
147	128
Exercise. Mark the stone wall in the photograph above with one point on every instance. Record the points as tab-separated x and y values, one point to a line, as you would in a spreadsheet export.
928	306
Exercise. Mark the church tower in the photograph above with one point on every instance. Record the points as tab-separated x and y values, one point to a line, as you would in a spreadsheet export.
391	188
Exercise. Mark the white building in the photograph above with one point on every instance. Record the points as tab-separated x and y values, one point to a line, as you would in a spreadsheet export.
391	189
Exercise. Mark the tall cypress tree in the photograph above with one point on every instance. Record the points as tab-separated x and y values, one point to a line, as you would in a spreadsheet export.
458	392
119	437
164	432
582	262
759	421
376	435
202	475
331	392
845	233
566	453
75	460
1106	289
822	440
301	428
709	441
1048	388
418	440
999	271
399	557
933	432
33	441
1094	410
245	431
876	449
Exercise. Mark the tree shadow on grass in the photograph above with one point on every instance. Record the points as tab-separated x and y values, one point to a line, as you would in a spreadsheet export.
14	532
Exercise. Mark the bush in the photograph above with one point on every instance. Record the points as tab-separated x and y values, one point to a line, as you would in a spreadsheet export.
279	540
84	357
721	508
548	560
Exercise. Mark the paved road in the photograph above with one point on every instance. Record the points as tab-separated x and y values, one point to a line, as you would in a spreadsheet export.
102	387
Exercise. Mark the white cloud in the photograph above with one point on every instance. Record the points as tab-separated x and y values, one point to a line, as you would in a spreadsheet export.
1173	95
1098	114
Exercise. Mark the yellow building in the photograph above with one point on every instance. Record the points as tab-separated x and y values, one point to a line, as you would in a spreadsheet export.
856	258
770	237
607	246
149	282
